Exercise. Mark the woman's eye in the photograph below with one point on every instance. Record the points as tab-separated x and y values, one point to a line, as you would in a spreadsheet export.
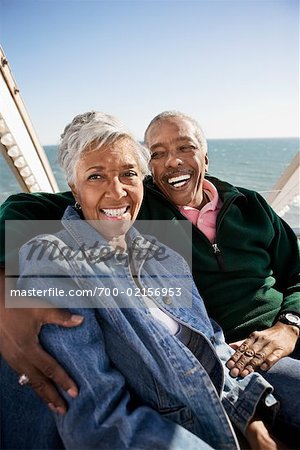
94	176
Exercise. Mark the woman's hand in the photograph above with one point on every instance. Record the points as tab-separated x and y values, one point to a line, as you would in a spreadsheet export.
19	346
259	438
262	349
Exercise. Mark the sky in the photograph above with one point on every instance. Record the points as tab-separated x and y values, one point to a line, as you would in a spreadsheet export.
231	64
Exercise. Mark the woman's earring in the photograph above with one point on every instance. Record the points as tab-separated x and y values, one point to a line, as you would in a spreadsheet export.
77	206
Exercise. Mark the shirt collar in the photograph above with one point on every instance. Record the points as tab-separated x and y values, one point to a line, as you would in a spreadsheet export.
212	194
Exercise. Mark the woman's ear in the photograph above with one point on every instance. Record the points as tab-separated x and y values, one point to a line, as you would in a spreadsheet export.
74	191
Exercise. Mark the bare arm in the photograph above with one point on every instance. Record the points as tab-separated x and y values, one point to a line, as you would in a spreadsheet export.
20	347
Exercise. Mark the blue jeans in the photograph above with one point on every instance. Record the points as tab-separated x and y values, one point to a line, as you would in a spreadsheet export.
285	377
25	421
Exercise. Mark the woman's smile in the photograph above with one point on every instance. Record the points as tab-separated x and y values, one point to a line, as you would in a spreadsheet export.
115	213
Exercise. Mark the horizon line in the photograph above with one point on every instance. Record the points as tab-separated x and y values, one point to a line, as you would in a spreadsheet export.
222	139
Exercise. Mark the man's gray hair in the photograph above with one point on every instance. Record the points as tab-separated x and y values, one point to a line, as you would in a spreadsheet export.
171	114
94	128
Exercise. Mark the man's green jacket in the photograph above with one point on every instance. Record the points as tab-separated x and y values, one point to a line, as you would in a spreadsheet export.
249	275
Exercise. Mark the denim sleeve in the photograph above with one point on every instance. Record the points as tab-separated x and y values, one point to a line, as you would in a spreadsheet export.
104	415
241	396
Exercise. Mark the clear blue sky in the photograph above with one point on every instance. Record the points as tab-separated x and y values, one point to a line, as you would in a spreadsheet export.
232	64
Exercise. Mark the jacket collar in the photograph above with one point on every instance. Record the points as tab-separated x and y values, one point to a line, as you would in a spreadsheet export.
88	237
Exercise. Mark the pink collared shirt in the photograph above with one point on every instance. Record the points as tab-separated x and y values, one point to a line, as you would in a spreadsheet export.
205	219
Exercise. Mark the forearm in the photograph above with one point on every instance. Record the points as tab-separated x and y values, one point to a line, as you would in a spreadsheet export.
291	301
285	263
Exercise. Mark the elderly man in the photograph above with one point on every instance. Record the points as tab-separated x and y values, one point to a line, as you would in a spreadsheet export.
245	261
245	258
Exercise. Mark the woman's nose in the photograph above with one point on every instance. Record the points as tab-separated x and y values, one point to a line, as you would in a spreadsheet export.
116	189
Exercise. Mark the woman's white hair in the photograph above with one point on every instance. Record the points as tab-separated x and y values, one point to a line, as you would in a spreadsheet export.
94	128
171	114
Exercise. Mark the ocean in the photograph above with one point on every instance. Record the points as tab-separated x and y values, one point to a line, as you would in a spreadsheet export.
252	163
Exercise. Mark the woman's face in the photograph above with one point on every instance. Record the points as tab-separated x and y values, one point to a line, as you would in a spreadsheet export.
109	187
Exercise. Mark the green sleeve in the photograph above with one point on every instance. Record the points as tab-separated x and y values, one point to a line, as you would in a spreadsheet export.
21	207
285	254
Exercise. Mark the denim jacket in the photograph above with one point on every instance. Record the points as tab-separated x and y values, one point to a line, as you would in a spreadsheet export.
140	386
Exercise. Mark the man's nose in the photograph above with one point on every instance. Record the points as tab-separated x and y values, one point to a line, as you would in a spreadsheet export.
116	189
172	160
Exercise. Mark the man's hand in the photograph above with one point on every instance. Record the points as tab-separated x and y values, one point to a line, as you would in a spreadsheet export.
19	346
259	438
262	349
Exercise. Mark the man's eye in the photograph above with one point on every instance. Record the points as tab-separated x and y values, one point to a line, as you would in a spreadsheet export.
156	155
94	176
187	148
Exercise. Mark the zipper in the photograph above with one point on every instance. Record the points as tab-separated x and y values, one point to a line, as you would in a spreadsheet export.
216	250
182	322
218	256
221	215
188	325
225	208
140	284
138	281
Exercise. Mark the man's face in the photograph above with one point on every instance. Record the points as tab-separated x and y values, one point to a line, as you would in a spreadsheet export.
177	163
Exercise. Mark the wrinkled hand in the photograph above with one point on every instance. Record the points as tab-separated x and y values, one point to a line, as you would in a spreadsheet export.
259	437
19	346
262	349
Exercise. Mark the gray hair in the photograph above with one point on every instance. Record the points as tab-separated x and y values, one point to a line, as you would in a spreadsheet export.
171	114
90	128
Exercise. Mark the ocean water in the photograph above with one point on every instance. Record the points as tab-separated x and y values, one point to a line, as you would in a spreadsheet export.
252	163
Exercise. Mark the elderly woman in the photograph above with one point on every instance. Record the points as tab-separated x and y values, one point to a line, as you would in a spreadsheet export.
149	363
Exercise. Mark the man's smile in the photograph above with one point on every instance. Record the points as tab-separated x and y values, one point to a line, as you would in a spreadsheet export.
177	179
